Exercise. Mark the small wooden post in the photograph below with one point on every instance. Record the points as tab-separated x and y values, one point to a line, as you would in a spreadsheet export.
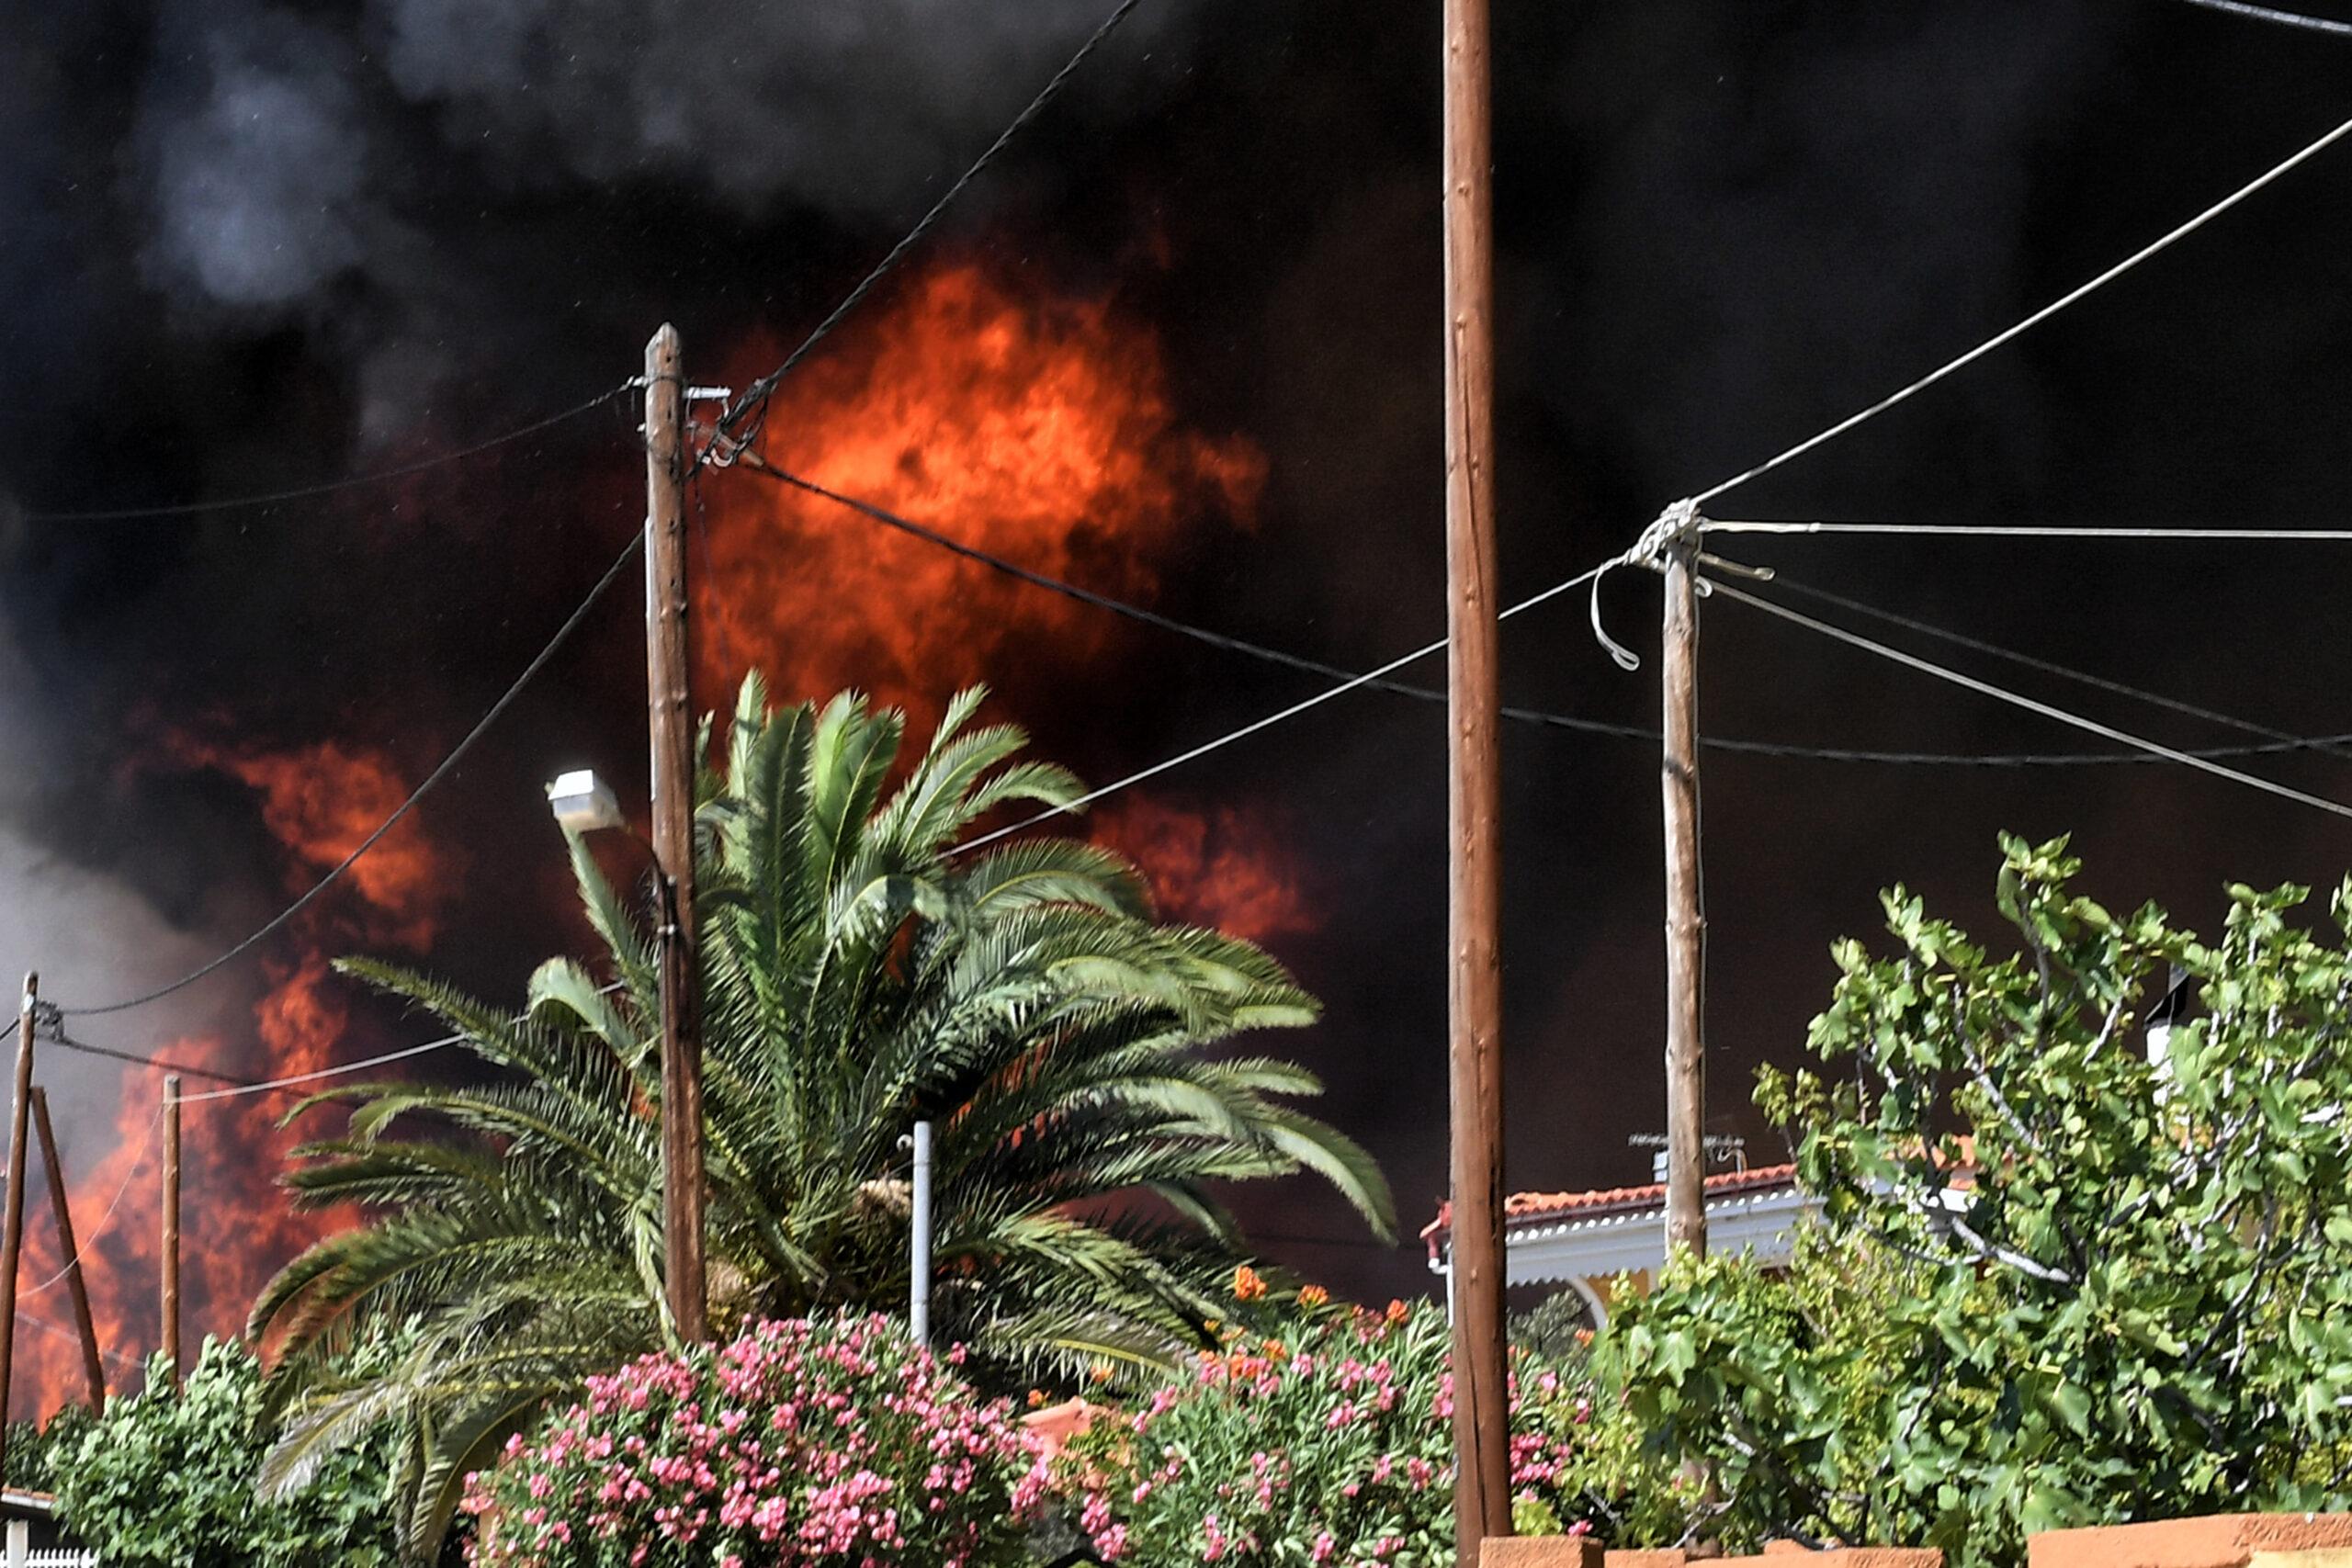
12	1220
1686	1061
93	1366
172	1227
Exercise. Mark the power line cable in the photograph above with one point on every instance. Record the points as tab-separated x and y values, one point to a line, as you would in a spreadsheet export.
89	1239
2017	699
2034	531
111	1354
447	764
1535	716
2272	14
2047	667
1267	722
331	487
272	1086
293	1080
757	394
57	1036
2018	330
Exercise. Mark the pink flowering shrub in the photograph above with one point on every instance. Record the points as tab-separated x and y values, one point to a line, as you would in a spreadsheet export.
831	1443
1330	1444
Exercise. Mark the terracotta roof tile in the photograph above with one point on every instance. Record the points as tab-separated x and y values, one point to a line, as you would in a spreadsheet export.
1543	1205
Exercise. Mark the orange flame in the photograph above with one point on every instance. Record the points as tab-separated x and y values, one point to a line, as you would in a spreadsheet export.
1040	432
1227	868
322	801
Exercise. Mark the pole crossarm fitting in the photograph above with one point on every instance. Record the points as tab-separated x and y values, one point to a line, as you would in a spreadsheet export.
1677	527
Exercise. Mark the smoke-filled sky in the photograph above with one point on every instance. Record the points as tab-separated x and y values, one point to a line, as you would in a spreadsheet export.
1181	346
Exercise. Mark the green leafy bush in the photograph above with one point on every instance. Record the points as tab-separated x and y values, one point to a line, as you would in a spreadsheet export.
1324	1439
35	1447
2127	1296
168	1480
825	1444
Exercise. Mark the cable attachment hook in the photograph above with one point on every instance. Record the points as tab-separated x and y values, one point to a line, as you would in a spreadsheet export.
719	449
48	1015
1679	523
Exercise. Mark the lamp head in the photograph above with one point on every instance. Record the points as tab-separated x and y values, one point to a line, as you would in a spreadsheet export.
582	803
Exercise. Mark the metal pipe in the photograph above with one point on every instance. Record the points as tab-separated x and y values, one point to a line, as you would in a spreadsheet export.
919	1260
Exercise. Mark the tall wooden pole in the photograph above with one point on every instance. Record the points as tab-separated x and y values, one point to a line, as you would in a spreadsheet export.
671	721
1481	1415
93	1367
172	1227
1686	1062
12	1222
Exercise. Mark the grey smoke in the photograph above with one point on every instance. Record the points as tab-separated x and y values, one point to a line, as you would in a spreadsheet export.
856	108
259	161
260	135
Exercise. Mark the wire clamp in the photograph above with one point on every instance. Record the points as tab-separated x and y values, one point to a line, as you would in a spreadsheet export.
720	450
1677	526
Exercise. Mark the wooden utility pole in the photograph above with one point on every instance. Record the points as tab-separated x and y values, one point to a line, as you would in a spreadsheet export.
673	726
1686	1062
93	1367
172	1226
12	1222
1481	1413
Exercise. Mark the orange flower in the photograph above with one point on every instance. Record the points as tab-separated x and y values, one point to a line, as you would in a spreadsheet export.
1275	1350
1313	1296
1397	1311
1102	1371
1247	1286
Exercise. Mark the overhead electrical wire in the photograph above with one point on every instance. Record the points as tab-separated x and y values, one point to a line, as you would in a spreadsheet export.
88	1239
756	395
2286	742
447	764
272	1086
56	1036
2031	704
1978	645
2272	14
2035	531
331	487
109	1353
2018	329
295	1080
1279	716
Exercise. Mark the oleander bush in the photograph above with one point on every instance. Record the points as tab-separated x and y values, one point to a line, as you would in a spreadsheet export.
1324	1439
805	1443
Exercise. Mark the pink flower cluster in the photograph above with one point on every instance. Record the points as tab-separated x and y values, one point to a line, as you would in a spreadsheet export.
1332	1444
824	1444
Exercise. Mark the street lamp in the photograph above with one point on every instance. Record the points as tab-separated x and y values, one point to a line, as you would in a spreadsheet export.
582	804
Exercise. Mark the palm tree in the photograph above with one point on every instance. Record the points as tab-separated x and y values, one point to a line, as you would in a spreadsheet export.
858	974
